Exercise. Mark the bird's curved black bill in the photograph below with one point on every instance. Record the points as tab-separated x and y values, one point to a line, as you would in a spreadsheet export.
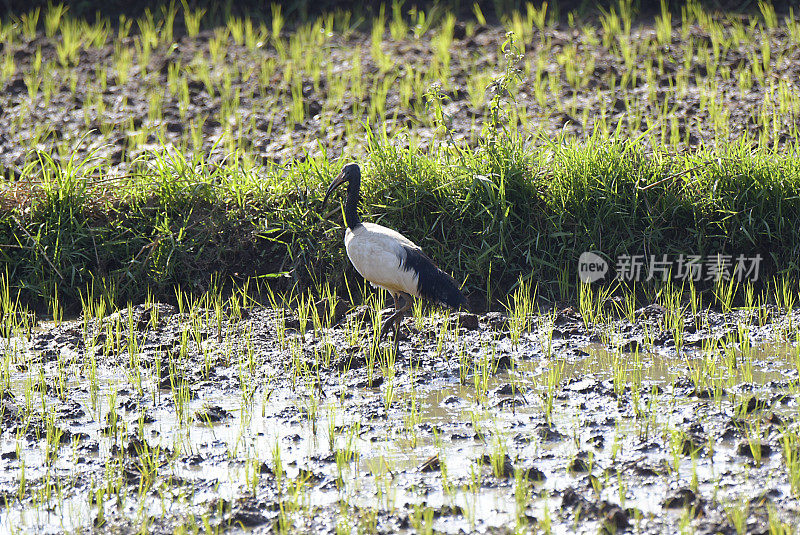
338	181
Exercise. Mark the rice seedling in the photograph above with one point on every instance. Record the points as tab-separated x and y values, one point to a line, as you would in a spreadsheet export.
192	19
790	443
520	308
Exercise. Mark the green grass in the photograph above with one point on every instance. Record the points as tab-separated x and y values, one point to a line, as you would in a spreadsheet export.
513	208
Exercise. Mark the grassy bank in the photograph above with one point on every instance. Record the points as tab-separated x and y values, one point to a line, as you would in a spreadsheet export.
510	208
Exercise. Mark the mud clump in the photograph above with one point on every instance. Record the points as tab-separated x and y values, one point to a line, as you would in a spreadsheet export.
683	498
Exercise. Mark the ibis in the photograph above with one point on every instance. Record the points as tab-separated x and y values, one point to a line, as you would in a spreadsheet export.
389	260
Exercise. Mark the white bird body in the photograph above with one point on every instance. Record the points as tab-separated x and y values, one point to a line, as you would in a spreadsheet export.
380	255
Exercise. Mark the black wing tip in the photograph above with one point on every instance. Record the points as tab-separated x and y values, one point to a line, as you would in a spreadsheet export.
455	299
432	282
464	305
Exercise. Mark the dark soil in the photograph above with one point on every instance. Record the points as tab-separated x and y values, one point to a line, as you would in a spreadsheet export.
574	110
617	456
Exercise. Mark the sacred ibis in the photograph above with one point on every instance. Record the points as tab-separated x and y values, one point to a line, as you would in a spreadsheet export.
389	260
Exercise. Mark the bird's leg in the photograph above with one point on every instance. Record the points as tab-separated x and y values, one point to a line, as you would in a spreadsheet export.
398	318
390	319
407	301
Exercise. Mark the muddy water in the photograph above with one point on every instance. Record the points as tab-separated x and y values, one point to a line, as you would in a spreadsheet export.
226	422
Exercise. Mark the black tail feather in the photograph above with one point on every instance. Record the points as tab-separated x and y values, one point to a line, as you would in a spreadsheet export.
432	282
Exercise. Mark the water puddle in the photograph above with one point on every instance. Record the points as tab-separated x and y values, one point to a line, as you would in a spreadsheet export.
583	427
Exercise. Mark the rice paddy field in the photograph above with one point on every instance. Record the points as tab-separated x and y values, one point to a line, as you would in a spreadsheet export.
185	347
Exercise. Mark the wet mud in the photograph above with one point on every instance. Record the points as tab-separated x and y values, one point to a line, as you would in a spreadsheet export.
263	419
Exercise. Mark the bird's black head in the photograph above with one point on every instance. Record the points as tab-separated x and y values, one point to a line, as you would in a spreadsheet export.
351	174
